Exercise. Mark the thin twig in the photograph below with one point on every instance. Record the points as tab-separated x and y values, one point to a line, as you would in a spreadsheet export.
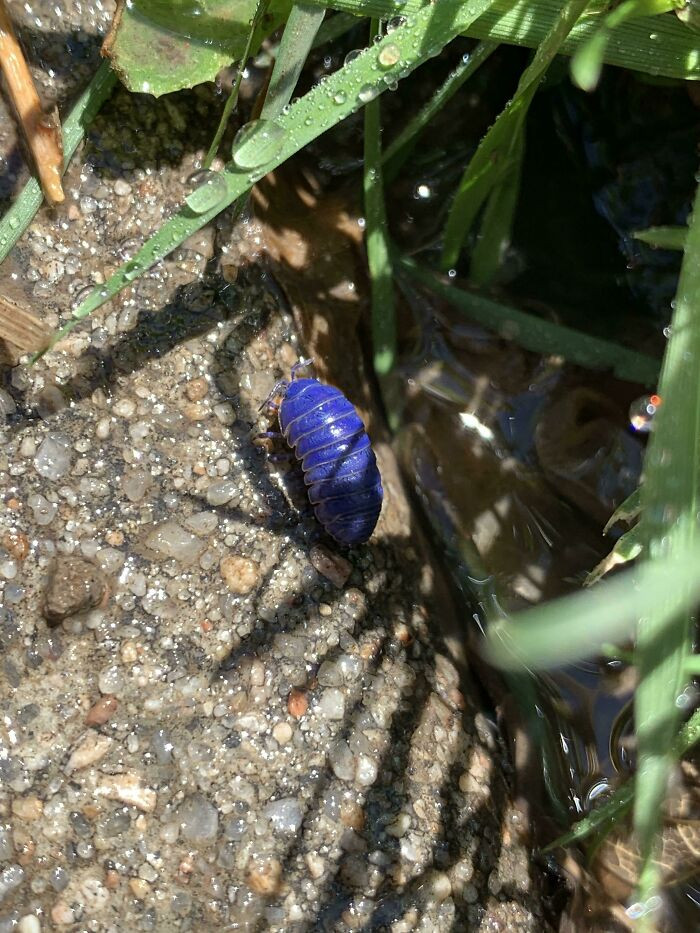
41	130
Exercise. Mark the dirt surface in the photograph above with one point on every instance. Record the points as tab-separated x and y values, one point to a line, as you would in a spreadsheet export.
212	717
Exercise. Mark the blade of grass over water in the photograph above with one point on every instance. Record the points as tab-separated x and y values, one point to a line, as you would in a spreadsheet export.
297	39
670	504
379	261
663	237
24	208
575	626
502	142
539	335
271	143
658	45
402	145
233	96
587	63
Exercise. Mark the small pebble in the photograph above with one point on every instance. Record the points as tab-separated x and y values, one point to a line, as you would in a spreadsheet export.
282	733
75	585
91	748
27	808
61	914
122	188
297	703
331	566
197	389
102	711
53	458
199	819
128	789
332	703
264	876
139	888
240	574
29	924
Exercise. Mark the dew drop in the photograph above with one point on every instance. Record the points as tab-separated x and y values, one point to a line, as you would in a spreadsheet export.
351	56
395	23
389	55
257	143
667	331
367	93
209	189
81	296
14	222
642	412
131	271
340	97
422	192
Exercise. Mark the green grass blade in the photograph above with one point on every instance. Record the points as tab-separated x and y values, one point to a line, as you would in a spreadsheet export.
587	63
325	105
660	45
575	626
539	335
24	208
497	224
233	96
502	141
297	39
400	148
669	519
378	259
663	237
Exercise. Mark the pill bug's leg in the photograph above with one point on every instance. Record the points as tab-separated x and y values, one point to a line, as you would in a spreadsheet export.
278	389
302	364
274	435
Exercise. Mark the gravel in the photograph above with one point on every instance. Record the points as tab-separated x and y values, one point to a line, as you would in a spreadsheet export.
234	723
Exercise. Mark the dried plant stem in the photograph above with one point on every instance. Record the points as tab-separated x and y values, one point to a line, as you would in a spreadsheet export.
41	130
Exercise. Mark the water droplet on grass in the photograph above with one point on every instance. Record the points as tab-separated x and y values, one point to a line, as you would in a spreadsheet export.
367	93
340	97
351	56
395	23
257	143
389	55
209	190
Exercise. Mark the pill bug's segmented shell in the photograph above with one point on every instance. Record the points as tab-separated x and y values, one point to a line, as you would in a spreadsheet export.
339	465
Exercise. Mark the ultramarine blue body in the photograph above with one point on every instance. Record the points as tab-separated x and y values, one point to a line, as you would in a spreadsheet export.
339	465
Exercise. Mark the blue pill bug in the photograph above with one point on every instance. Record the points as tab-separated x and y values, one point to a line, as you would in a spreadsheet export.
339	465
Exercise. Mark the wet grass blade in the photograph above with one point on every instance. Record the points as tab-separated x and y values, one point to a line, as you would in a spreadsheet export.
297	39
497	223
663	237
378	258
24	208
659	45
587	63
539	335
325	105
670	504
502	142
402	145
575	626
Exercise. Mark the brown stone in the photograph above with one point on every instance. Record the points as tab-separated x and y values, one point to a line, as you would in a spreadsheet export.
75	585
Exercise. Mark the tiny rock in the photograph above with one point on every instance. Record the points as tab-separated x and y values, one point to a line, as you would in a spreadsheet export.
196	389
264	876
16	544
129	790
27	808
240	574
139	888
331	566
61	914
75	585
102	711
297	703
91	748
